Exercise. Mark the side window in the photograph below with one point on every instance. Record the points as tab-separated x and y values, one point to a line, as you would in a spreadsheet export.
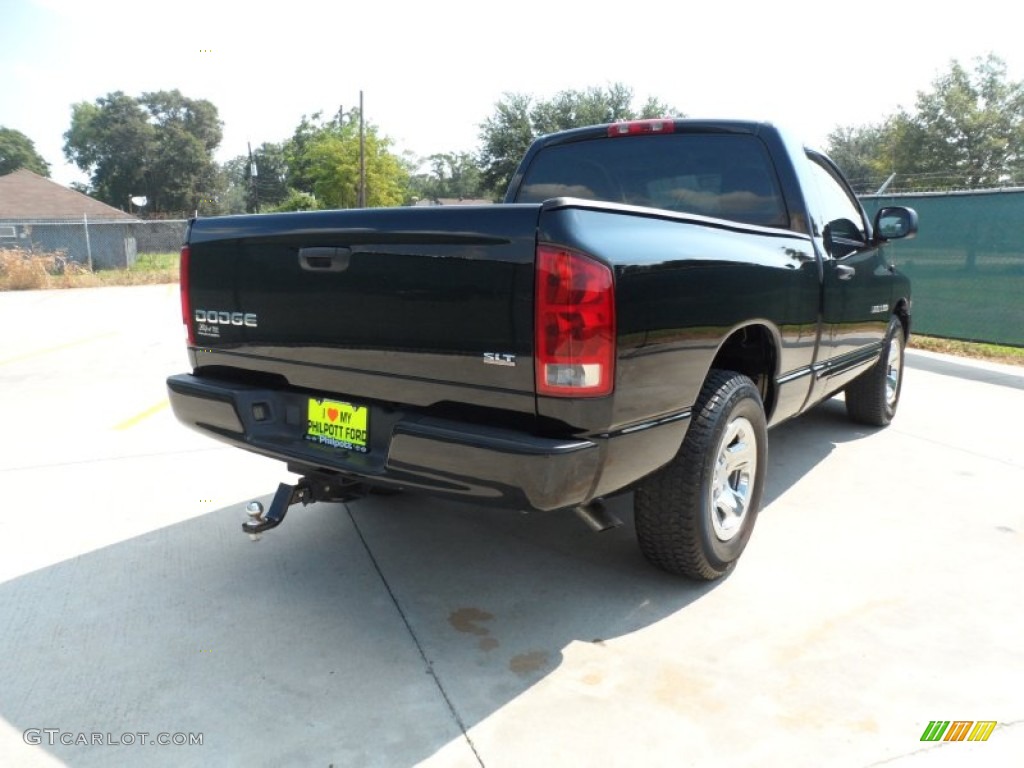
836	205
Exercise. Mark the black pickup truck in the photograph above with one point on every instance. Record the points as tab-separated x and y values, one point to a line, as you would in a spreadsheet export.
649	299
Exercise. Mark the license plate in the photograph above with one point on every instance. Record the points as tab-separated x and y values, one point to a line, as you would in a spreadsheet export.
338	425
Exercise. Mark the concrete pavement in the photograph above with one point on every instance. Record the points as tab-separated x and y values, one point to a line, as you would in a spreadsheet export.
880	591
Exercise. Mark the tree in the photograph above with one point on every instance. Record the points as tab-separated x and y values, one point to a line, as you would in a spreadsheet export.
967	131
518	120
455	175
245	193
322	160
505	137
572	109
159	145
271	180
113	141
300	175
860	151
237	196
182	170
18	151
298	201
972	123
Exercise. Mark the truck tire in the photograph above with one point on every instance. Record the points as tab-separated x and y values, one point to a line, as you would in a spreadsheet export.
872	397
695	515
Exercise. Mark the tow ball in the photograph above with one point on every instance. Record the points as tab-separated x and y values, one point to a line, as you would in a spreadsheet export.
307	490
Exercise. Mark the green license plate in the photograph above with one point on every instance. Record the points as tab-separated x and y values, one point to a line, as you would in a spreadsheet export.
339	425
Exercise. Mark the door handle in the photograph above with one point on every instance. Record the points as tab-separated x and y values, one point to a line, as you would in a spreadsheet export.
324	259
844	272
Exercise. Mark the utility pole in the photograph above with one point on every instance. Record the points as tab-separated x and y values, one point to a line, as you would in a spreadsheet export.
361	188
253	173
362	155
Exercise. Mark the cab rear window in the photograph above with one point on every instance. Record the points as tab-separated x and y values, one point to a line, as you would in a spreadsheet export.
727	176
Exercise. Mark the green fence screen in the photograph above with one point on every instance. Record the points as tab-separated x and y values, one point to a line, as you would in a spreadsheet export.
966	263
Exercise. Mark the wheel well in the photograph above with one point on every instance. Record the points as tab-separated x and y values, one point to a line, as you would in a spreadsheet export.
904	317
751	351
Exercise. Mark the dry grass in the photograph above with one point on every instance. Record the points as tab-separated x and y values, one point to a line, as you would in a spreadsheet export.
979	351
24	272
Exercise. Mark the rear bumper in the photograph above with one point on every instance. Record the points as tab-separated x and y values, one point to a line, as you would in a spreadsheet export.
498	466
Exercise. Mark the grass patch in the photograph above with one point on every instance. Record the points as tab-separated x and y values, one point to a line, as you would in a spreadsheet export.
994	352
25	272
157	262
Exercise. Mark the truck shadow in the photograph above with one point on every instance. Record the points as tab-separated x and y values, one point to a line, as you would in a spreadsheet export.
349	636
956	369
797	446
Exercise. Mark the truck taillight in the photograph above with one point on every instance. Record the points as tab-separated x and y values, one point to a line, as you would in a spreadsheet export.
640	127
574	324
186	307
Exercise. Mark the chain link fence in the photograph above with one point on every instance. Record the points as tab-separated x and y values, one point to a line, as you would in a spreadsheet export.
95	242
966	263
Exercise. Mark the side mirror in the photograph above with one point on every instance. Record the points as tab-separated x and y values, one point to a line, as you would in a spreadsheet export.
842	237
895	223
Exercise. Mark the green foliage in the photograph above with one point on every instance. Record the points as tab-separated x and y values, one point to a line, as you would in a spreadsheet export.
863	153
159	145
298	201
237	194
966	132
451	175
322	160
505	137
972	123
18	151
518	120
182	170
245	193
156	262
296	152
112	140
572	109
656	108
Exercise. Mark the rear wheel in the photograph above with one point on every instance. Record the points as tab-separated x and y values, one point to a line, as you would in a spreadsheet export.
695	515
872	397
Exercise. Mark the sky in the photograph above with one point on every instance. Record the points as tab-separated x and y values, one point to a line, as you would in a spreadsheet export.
432	72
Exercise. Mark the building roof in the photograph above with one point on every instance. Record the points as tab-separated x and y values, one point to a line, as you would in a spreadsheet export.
27	195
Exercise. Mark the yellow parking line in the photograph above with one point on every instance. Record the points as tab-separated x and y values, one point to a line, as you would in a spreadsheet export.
57	348
131	422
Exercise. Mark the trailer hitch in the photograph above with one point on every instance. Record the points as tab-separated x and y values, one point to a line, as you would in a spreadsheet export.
307	490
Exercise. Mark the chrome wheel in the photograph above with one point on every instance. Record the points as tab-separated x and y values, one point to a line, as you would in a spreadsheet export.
872	397
733	481
893	370
695	515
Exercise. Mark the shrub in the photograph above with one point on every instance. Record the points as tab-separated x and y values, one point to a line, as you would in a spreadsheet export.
22	271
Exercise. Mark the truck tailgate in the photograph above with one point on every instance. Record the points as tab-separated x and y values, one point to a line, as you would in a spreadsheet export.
419	306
